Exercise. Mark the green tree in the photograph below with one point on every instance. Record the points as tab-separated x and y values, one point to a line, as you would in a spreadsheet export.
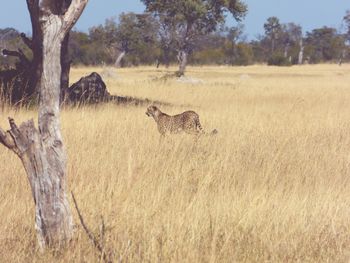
209	49
273	30
324	44
193	18
11	39
126	35
88	49
132	33
346	20
244	54
167	36
291	42
234	34
259	50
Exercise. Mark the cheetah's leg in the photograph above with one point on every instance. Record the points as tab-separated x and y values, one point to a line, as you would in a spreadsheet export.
192	129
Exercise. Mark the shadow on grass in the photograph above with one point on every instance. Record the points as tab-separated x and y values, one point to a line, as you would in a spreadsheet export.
132	101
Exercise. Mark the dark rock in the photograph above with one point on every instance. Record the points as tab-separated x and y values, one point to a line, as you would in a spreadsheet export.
89	89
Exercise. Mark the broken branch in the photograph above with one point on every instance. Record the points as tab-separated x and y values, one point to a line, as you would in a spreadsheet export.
7	140
91	236
27	41
18	54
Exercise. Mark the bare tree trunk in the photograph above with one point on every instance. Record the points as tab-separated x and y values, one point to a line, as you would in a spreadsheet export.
166	60
301	52
233	53
41	150
182	58
341	57
285	54
119	59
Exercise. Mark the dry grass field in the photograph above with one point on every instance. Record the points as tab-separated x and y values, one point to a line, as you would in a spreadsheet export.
272	186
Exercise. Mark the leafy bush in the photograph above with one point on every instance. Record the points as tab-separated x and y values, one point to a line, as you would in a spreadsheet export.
245	55
208	56
278	59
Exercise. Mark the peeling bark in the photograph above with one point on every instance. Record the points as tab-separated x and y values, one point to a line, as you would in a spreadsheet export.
45	170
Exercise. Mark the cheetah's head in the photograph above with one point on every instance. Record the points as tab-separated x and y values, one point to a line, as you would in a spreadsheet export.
152	111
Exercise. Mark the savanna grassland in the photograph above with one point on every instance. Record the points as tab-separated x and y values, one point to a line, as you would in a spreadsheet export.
272	186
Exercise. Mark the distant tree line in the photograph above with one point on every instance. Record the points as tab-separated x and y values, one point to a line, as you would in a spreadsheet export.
158	37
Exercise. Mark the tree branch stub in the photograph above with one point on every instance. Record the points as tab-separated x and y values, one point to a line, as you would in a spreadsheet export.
27	41
7	140
17	139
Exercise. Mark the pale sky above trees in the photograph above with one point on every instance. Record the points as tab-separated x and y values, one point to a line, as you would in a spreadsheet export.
309	14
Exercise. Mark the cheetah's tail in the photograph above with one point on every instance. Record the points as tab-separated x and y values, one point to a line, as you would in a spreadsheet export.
200	128
214	132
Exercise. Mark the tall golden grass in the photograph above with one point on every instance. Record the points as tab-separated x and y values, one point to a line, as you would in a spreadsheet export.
272	186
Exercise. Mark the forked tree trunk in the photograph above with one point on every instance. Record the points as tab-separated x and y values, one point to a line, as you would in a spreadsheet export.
30	79
119	59
41	151
182	58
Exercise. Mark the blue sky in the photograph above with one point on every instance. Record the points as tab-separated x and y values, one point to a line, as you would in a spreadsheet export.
309	14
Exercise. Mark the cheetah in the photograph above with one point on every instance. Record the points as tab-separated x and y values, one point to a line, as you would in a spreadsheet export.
187	121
